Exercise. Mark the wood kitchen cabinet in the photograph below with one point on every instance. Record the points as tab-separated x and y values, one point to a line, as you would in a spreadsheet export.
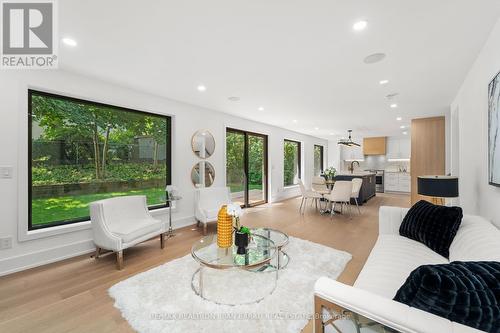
374	146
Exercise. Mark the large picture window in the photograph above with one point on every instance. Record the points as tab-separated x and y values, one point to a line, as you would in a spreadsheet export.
292	162
81	151
318	160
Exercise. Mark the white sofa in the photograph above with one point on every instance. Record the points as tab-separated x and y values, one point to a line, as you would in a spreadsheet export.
121	222
389	264
207	203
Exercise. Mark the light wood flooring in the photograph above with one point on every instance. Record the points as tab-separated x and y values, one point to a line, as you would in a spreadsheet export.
71	295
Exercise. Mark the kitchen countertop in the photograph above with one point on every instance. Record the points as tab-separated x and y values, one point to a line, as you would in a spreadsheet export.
355	173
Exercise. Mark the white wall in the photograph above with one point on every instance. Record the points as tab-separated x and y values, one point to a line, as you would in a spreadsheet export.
471	103
186	120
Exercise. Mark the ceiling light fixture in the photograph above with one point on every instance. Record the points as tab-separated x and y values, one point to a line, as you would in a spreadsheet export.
360	25
201	88
374	58
405	132
295	121
402	126
382	82
399	118
261	108
348	142
393	106
69	41
332	133
316	128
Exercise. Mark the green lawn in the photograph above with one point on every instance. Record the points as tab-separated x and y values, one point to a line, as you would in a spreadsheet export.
50	210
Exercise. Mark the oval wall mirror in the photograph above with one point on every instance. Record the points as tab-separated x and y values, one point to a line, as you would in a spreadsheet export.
203	144
203	174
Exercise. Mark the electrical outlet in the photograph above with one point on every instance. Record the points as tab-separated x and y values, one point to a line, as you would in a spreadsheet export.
5	172
5	243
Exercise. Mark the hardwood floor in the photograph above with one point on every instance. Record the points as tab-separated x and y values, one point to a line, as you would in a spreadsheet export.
71	296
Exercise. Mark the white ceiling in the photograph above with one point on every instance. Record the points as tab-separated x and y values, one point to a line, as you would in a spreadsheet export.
299	59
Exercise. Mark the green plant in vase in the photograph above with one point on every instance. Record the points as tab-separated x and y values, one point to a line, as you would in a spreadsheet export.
330	173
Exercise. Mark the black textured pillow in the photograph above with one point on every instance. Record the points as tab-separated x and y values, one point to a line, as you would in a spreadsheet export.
432	225
463	292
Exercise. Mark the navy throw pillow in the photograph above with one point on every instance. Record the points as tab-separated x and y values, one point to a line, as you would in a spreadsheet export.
463	292
432	225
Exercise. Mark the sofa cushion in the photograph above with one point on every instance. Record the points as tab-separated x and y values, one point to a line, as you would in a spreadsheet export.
392	259
130	232
432	225
463	292
476	240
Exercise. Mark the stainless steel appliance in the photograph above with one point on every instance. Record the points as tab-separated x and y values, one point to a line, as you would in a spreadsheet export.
379	180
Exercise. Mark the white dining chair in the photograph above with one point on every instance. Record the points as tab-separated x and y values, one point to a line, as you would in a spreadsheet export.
341	193
307	194
319	185
356	187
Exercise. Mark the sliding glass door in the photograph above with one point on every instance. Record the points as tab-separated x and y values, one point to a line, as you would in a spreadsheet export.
246	167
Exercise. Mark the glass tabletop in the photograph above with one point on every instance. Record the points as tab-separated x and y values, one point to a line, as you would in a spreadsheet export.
279	238
260	251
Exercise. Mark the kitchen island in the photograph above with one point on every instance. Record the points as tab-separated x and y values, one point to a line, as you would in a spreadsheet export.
367	188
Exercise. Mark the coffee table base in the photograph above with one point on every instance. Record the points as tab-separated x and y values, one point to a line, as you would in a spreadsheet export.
200	288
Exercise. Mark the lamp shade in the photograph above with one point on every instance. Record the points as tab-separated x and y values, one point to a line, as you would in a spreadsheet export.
438	186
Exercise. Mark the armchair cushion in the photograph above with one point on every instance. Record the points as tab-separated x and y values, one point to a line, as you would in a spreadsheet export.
432	225
463	292
129	232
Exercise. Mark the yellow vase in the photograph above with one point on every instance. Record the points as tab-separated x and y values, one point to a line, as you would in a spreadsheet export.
224	228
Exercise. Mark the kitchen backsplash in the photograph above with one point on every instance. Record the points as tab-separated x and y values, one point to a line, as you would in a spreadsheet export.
378	162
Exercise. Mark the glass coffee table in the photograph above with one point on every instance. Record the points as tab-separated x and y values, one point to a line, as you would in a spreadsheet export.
280	239
225	277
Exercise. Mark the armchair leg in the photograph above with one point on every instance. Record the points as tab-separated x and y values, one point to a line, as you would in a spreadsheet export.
97	252
204	229
163	237
119	260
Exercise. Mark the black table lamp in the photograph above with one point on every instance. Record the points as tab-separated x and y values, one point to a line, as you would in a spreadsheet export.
438	187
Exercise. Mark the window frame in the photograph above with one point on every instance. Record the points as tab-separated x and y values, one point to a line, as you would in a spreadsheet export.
299	160
322	150
168	156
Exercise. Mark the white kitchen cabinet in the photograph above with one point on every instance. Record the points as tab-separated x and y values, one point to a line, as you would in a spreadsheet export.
397	182
352	153
398	148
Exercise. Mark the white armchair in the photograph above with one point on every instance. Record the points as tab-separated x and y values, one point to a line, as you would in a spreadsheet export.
208	201
121	222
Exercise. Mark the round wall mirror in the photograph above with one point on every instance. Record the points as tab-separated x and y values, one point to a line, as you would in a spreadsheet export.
203	144
203	174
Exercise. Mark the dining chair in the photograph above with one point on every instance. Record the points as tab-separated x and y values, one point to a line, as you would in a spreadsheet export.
319	185
341	193
307	194
356	187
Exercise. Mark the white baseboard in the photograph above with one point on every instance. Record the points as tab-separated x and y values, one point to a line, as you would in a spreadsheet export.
47	256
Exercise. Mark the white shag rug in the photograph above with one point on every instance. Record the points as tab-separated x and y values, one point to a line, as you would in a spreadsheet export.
162	300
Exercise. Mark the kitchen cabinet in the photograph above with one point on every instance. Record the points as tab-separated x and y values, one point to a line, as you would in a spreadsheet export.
374	146
398	148
352	153
397	182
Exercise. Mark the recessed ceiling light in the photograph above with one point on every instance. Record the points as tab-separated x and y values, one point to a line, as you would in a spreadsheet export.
373	58
405	132
382	82
393	106
295	121
332	133
316	128
233	98
261	108
399	118
201	88
360	25
69	41
402	126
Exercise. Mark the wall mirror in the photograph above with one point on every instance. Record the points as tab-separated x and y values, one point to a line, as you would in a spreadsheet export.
203	174
203	144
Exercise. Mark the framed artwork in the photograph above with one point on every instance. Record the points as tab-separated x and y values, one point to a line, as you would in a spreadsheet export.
494	131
